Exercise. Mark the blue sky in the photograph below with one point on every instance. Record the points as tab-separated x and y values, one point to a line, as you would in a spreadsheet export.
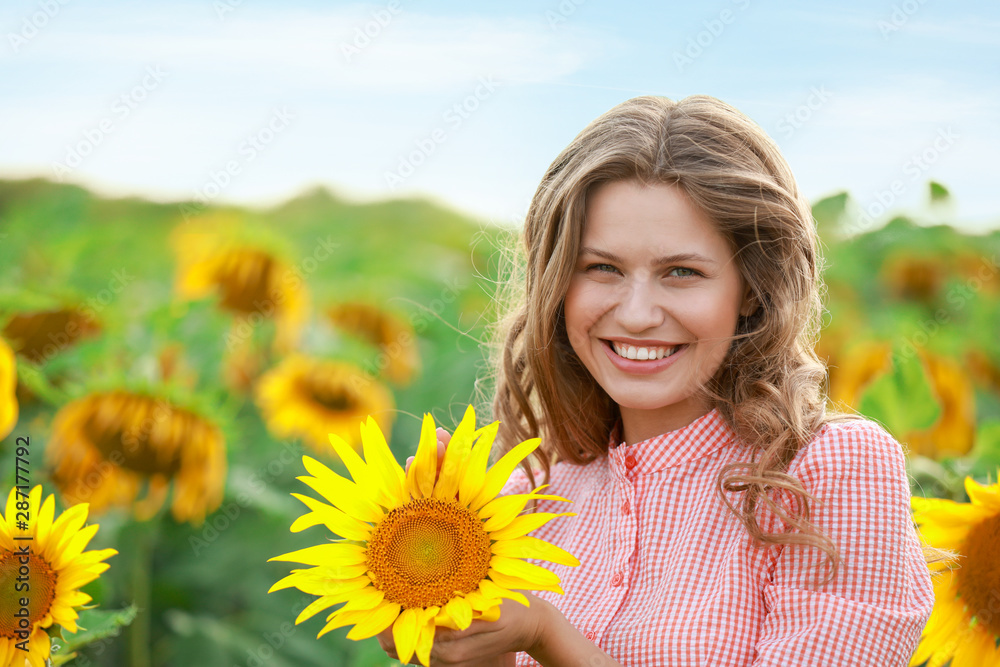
252	101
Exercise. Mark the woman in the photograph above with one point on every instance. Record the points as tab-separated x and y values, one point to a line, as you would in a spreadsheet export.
663	351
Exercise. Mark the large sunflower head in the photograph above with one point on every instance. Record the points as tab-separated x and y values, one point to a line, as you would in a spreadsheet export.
394	337
39	335
107	445
965	622
8	389
252	282
418	552
51	550
310	398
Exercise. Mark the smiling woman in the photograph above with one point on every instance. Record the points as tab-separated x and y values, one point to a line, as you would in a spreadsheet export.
662	349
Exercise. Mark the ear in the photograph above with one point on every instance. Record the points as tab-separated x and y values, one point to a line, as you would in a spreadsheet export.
749	305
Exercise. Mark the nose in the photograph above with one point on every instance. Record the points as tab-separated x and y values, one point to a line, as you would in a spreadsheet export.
638	309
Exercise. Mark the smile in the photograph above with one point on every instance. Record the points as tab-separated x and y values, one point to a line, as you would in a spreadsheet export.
643	353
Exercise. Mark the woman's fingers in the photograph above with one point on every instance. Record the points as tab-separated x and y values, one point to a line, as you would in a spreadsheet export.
443	438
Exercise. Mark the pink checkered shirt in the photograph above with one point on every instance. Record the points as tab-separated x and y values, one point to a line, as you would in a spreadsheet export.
668	575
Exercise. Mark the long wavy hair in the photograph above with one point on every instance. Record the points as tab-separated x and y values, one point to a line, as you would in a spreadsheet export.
770	387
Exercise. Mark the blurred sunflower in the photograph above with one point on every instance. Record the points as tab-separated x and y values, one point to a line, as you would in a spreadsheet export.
310	399
39	335
915	278
983	369
251	282
393	336
8	389
857	368
418	553
58	567
965	623
104	446
954	432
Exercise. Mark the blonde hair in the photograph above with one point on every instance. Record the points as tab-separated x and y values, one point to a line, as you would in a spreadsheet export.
769	389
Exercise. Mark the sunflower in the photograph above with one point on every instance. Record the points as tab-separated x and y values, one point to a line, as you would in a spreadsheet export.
965	623
252	282
915	278
418	553
8	389
955	430
39	335
394	337
52	551
859	367
309	399
104	446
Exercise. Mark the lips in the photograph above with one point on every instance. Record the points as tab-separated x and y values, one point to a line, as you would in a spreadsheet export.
639	366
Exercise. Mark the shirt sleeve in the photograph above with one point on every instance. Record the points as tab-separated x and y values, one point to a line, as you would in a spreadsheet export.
873	611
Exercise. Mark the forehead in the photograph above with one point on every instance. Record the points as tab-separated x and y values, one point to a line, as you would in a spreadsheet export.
655	218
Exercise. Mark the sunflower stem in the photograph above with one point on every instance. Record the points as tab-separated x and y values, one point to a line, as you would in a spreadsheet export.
142	565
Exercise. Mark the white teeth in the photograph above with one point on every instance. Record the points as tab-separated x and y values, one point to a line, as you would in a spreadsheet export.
642	353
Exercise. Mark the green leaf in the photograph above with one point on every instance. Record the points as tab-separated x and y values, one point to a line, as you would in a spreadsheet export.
97	624
986	452
901	399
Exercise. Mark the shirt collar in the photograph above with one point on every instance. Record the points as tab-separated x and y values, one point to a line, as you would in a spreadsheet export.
701	437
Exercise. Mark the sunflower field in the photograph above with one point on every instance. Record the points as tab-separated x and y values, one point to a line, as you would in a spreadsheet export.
165	367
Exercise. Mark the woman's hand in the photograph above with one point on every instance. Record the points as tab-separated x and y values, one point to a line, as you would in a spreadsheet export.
485	643
443	438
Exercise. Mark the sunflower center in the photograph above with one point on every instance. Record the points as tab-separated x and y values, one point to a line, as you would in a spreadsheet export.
139	434
330	395
28	577
424	552
978	578
245	280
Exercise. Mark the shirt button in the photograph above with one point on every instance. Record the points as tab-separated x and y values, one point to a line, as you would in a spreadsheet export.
616	580
591	635
626	508
629	462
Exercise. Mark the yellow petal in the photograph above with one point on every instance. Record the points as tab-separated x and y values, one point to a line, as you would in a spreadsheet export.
330	555
475	472
317	606
523	525
386	473
423	470
377	620
455	457
527	571
490	589
532	547
404	633
460	611
337	521
355	464
342	493
516	583
501	470
501	511
425	641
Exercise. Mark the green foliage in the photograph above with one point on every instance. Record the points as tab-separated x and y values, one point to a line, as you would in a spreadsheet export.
901	399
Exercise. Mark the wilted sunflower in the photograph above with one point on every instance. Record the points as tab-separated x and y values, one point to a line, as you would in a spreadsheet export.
858	367
309	399
955	430
395	338
8	389
416	553
39	335
965	622
53	552
252	282
104	446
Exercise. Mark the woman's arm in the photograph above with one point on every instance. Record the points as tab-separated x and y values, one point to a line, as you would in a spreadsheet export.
560	644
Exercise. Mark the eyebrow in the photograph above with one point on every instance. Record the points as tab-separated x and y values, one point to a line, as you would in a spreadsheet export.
659	261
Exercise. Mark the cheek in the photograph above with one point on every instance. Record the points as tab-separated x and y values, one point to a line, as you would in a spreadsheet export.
582	309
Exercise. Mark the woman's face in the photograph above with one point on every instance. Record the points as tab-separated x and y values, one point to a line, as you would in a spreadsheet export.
653	302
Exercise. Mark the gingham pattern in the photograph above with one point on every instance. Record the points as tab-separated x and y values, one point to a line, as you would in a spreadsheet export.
668	575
